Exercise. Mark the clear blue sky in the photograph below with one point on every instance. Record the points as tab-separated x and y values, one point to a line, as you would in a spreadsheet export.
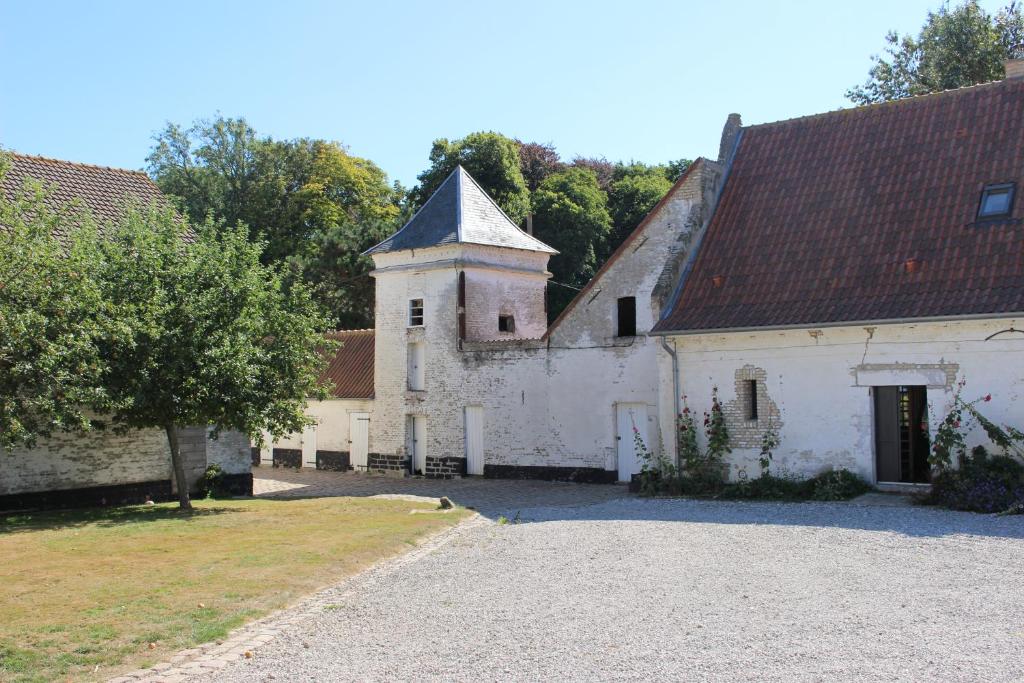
645	80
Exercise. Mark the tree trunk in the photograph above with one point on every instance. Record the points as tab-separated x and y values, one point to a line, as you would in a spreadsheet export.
179	468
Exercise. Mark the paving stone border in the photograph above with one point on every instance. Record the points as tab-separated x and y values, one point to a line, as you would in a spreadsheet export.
245	641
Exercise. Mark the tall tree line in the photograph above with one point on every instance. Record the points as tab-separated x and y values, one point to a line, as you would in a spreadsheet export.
317	207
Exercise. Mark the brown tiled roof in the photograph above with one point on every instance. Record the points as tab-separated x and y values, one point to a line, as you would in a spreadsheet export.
351	368
821	215
104	191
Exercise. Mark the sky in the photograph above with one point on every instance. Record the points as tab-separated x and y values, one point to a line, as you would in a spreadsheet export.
628	79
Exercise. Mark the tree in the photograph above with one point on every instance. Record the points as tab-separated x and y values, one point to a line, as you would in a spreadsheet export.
571	214
537	161
294	195
51	317
493	161
631	196
213	337
603	170
955	48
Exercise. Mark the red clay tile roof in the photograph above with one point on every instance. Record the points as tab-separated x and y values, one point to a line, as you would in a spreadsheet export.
104	191
351	368
820	216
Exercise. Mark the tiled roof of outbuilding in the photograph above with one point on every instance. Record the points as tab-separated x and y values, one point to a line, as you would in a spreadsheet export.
460	211
350	370
866	214
104	191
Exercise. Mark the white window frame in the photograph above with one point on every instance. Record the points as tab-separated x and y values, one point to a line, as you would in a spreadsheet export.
412	312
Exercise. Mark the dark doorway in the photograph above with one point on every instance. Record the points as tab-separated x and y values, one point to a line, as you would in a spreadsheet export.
626	317
901	434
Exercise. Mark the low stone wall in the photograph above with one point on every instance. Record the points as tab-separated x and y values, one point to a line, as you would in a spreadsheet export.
335	461
583	475
287	457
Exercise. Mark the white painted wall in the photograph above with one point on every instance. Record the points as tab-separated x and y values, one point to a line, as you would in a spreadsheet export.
820	381
545	403
330	433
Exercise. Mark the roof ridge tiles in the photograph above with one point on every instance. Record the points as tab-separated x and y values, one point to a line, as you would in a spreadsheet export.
81	164
903	101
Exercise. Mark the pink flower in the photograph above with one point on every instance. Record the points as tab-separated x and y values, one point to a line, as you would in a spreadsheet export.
988	397
957	423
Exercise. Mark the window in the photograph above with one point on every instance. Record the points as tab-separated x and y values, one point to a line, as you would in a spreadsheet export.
752	399
996	201
417	367
415	312
627	316
506	323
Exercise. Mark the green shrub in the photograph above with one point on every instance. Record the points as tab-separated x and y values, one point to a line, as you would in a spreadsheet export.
211	485
841	484
769	487
708	482
983	483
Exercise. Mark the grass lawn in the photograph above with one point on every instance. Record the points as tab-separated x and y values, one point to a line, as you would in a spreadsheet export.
84	593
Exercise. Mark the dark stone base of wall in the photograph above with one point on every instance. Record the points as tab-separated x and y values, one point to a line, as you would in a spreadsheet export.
445	468
254	455
335	461
582	475
238	484
287	457
93	496
383	461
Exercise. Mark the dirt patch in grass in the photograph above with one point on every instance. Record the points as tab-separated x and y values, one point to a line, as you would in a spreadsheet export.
84	594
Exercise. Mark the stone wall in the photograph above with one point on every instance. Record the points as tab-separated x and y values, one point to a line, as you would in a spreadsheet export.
107	467
83	460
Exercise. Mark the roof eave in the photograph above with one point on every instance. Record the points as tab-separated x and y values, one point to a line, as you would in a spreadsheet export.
836	323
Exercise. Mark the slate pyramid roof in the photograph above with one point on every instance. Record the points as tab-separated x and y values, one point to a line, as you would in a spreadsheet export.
460	212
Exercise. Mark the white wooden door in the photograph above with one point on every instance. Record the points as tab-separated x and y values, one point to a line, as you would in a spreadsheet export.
358	440
417	443
474	440
628	417
309	447
417	366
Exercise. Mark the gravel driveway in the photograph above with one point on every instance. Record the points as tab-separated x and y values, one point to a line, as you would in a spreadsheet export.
683	590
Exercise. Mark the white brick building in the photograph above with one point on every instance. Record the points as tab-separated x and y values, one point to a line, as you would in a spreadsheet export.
832	276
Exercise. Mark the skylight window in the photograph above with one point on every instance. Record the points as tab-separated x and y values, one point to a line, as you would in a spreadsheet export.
996	201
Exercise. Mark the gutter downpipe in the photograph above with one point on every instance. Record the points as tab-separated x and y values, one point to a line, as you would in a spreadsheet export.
672	351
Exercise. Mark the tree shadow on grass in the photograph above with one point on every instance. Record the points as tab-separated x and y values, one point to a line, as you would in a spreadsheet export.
53	520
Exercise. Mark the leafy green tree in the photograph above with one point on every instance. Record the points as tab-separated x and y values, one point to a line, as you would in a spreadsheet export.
631	196
571	214
674	169
296	196
213	335
955	48
52	316
493	161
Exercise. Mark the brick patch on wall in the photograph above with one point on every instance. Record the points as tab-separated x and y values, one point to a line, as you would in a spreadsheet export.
743	432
